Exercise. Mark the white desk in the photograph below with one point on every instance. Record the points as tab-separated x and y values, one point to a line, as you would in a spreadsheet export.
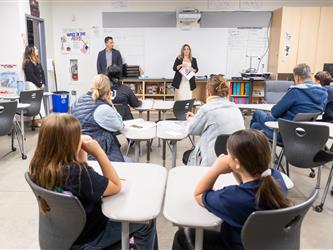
162	106
141	197
146	105
138	130
172	131
46	96
260	106
180	206
274	125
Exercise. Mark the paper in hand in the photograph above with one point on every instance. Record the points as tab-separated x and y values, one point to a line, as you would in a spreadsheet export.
186	73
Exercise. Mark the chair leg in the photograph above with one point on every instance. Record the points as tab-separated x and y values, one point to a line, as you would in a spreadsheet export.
12	134
191	141
33	124
319	208
128	147
312	174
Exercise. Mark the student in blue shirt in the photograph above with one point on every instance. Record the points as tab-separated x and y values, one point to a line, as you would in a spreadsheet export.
62	166
259	188
324	79
303	97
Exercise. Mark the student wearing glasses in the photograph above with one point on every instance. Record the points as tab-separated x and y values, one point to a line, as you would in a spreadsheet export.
218	116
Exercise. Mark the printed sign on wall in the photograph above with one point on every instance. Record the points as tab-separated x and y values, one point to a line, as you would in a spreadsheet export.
75	41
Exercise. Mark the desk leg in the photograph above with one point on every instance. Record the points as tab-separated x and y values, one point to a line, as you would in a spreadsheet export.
140	114
163	151
23	135
124	235
47	105
159	115
275	132
198	239
174	153
148	150
137	150
148	113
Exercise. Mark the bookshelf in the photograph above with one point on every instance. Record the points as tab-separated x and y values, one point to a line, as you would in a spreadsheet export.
240	91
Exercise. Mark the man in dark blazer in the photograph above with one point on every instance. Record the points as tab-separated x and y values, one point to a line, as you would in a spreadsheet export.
108	56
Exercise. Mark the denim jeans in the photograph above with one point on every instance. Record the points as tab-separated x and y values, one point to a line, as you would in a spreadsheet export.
258	122
145	236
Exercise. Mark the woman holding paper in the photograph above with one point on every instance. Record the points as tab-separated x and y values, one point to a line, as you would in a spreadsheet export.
185	67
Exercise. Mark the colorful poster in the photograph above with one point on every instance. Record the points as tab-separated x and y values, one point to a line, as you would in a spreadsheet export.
75	41
8	75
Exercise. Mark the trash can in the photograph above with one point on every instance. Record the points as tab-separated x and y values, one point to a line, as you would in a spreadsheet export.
60	101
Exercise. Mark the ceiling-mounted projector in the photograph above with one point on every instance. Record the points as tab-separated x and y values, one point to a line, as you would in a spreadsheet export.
188	15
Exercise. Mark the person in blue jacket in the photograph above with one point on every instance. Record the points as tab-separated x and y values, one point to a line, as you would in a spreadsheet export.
303	97
324	79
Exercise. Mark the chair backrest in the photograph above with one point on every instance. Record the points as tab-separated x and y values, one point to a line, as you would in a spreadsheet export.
277	228
120	109
302	142
306	117
65	219
34	98
180	108
221	145
7	113
275	89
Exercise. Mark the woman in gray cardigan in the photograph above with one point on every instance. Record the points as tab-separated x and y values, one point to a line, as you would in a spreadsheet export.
218	116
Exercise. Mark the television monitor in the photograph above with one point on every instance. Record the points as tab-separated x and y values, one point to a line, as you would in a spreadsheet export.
329	68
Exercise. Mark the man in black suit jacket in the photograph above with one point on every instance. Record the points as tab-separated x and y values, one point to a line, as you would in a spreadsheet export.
108	56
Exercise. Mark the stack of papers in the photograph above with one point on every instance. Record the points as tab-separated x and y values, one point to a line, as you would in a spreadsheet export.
186	73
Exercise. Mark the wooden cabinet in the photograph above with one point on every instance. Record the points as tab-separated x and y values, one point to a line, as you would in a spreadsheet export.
324	53
300	35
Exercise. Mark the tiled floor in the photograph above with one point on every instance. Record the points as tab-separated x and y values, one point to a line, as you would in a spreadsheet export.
19	212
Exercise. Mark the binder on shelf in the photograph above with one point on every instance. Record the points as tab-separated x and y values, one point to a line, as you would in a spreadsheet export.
242	90
234	90
238	88
247	88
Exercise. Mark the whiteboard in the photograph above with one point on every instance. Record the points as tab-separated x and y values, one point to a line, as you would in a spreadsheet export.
217	50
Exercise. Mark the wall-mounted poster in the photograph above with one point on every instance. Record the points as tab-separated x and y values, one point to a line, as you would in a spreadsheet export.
75	41
34	8
8	75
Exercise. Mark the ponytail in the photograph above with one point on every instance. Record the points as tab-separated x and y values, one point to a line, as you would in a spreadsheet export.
100	87
252	149
269	194
217	85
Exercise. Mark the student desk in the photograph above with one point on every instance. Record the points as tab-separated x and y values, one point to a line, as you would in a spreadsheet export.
46	96
162	106
260	106
274	125
180	206
138	130
140	198
172	131
146	105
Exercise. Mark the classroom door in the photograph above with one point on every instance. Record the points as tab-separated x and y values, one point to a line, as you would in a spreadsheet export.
36	37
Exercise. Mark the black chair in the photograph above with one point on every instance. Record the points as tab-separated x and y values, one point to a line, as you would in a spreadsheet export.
180	108
63	221
300	117
284	227
304	147
120	109
7	114
221	145
275	89
34	98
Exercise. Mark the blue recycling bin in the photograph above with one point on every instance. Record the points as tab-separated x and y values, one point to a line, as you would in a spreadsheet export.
60	101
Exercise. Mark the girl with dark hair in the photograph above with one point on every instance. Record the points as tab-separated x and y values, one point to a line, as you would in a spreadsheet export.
62	166
122	94
259	188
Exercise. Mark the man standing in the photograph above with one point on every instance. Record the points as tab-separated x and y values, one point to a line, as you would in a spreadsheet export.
108	56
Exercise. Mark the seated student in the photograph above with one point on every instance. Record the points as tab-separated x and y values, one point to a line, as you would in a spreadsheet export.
121	93
99	118
218	116
259	188
64	162
324	79
304	97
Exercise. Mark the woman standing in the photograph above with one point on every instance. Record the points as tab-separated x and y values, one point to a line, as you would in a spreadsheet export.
32	68
183	86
